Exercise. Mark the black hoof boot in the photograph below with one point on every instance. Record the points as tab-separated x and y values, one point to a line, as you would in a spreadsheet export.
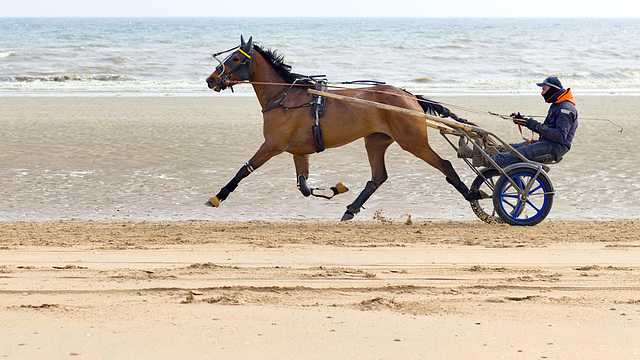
348	215
302	186
464	190
473	195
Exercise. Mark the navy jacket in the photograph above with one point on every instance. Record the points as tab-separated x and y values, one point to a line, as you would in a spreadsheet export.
561	122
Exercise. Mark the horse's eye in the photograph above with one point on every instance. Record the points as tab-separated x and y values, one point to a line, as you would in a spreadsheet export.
236	58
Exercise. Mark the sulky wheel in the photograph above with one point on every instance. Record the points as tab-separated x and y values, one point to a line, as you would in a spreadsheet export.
530	202
483	208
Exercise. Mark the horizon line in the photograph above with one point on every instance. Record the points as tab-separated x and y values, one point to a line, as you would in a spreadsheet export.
316	17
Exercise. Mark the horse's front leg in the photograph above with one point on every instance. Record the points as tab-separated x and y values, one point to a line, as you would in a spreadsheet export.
302	174
263	154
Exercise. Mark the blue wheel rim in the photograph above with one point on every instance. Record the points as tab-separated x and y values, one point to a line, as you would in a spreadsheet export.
523	211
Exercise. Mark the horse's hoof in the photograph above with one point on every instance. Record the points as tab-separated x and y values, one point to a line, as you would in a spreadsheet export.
214	201
475	195
341	188
348	215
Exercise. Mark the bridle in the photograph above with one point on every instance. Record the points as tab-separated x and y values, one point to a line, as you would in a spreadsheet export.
242	70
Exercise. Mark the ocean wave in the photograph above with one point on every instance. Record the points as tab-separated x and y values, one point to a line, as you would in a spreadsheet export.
630	73
435	55
66	77
197	87
119	59
450	46
5	54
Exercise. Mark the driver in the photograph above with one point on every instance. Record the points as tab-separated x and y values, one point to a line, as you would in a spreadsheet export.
555	133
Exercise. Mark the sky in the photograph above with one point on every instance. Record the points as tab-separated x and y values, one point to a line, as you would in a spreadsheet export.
322	8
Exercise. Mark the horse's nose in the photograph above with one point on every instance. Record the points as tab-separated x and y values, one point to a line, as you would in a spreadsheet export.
210	82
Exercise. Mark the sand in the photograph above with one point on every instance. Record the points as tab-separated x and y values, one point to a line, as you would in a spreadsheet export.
106	249
161	158
318	290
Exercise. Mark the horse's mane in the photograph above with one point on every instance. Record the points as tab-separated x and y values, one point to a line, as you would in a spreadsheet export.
277	63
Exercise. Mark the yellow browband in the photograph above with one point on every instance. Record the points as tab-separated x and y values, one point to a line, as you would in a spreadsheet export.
245	54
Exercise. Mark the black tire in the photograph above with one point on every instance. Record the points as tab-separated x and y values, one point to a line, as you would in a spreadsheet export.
528	211
483	208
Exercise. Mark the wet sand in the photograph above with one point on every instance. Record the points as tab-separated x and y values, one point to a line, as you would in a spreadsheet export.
106	249
162	158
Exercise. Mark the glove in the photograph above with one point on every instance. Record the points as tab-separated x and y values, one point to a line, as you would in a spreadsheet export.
529	123
516	116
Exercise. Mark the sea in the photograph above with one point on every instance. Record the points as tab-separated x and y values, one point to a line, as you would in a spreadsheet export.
445	56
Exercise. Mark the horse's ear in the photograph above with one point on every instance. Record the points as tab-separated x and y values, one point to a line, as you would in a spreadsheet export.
250	42
242	40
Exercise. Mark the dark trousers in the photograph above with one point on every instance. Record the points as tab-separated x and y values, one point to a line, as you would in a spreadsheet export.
540	151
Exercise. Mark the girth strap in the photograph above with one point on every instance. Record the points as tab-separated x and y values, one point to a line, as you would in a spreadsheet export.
317	108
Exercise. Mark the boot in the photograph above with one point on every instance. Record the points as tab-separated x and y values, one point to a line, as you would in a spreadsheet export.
479	159
463	150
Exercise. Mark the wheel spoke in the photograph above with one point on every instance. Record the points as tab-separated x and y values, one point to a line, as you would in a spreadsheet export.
536	189
508	203
533	206
510	192
511	196
517	210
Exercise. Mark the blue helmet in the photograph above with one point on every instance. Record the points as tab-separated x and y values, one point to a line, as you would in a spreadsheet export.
551	81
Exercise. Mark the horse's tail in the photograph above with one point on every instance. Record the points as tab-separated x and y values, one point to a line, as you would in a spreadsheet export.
435	108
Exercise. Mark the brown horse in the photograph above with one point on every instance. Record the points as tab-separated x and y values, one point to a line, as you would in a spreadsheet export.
288	123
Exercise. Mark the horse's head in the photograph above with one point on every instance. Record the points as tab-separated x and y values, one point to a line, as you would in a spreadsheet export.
235	68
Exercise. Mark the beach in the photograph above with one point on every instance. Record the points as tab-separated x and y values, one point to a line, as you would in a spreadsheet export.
161	158
317	290
108	251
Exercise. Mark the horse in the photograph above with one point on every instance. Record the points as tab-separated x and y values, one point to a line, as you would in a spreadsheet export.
288	123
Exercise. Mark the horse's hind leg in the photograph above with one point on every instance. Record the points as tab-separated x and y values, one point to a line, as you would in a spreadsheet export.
376	145
302	174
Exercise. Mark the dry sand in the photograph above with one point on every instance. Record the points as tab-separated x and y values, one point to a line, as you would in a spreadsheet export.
103	284
318	290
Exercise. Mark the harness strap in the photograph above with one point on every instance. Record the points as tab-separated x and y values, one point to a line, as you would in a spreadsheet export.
318	112
317	105
278	103
317	138
528	141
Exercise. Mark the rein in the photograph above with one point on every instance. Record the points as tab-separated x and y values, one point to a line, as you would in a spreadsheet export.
278	103
246	79
505	117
